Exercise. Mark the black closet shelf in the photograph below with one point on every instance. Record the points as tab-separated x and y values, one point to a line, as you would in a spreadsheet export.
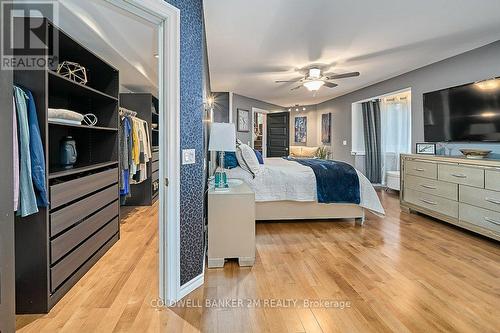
68	86
99	128
80	168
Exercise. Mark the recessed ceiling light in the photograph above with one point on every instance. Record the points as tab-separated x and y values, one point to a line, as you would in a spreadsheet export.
304	108
289	109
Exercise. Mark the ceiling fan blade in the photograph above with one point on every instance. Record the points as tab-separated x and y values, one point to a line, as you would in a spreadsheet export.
293	80
296	87
330	84
342	76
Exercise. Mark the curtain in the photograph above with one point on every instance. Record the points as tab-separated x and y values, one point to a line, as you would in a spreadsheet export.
373	143
395	132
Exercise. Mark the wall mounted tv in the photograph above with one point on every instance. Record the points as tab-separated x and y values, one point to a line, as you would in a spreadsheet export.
466	113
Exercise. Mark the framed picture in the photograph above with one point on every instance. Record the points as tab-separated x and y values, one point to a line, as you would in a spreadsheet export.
426	148
243	120
326	127
301	129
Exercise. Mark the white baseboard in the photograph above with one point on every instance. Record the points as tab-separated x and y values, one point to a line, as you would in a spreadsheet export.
191	286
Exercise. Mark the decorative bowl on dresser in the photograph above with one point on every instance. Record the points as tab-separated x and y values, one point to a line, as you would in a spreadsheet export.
457	190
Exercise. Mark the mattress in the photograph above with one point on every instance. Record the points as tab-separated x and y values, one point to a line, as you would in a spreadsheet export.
279	179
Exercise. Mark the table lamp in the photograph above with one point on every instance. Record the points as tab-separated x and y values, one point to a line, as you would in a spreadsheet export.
222	139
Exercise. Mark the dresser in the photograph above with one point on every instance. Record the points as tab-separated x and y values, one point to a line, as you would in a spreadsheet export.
457	190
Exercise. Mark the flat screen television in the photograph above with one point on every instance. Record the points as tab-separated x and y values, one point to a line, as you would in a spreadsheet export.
466	113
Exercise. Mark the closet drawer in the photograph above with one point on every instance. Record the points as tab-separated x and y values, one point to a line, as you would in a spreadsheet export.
66	217
492	179
431	186
460	174
155	166
480	197
68	265
155	156
63	193
480	217
70	239
432	202
422	169
155	176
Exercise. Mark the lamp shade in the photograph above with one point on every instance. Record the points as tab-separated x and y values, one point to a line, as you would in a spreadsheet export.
222	137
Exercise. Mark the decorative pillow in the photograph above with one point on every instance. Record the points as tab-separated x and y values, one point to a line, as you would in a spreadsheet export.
258	154
230	160
247	159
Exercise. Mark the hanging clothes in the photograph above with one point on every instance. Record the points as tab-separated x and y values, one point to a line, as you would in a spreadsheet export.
125	155
15	156
27	197
37	153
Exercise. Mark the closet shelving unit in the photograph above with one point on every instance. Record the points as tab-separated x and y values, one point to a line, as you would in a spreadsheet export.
59	244
146	106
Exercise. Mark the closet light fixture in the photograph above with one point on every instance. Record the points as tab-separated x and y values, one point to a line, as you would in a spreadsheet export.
489	84
313	85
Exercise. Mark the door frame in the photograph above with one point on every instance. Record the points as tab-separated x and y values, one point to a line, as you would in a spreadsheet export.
167	18
264	129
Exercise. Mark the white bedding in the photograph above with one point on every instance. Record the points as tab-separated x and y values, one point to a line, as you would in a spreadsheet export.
279	179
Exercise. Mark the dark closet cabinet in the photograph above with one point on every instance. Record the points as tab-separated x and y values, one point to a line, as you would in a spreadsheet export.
59	244
146	106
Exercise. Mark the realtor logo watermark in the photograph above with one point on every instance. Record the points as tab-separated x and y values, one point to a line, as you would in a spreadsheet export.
29	44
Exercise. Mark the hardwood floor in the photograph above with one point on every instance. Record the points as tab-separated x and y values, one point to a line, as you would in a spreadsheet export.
401	273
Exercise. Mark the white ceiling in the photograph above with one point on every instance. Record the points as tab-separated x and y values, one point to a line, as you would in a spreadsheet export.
126	41
253	43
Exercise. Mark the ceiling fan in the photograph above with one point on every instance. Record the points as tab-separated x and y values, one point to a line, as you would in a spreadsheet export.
315	79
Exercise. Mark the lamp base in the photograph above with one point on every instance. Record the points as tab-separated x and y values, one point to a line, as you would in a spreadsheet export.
221	183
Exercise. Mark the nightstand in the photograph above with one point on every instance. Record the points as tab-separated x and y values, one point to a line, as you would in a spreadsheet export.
231	224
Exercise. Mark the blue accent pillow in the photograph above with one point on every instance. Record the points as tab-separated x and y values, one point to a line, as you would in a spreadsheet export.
230	160
259	156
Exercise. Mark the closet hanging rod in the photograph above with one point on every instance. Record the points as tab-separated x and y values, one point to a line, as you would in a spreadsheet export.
127	112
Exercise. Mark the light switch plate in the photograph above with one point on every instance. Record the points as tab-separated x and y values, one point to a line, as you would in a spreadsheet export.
344	142
188	156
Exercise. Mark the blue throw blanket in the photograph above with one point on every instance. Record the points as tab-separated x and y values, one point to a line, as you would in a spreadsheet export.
336	182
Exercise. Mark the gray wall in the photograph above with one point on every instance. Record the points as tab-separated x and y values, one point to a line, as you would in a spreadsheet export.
478	64
247	103
7	296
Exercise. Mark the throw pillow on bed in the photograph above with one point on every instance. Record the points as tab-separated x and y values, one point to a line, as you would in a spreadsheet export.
258	154
230	160
247	159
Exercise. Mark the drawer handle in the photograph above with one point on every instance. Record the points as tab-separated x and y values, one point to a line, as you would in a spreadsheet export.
495	201
487	219
459	175
419	169
429	187
429	202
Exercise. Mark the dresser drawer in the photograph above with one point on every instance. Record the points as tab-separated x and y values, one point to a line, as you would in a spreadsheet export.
432	202
63	193
70	239
67	266
67	216
480	217
480	197
431	186
492	179
460	174
422	169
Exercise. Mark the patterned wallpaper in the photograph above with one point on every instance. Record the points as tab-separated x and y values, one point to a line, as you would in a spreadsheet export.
191	122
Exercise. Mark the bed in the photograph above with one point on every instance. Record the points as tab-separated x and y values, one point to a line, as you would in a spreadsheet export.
285	189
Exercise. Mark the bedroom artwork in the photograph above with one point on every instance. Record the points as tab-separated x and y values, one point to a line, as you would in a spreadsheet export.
301	129
243	120
326	127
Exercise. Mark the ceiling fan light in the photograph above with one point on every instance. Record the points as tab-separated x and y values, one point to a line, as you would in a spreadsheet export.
314	85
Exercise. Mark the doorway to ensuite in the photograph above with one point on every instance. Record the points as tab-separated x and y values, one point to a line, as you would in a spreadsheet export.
381	131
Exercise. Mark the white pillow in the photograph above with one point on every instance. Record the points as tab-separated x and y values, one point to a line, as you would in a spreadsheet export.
247	159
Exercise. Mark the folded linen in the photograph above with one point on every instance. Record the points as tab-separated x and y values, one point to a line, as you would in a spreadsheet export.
65	121
65	114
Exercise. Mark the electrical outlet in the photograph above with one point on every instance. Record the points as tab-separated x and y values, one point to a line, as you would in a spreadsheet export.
188	156
344	142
